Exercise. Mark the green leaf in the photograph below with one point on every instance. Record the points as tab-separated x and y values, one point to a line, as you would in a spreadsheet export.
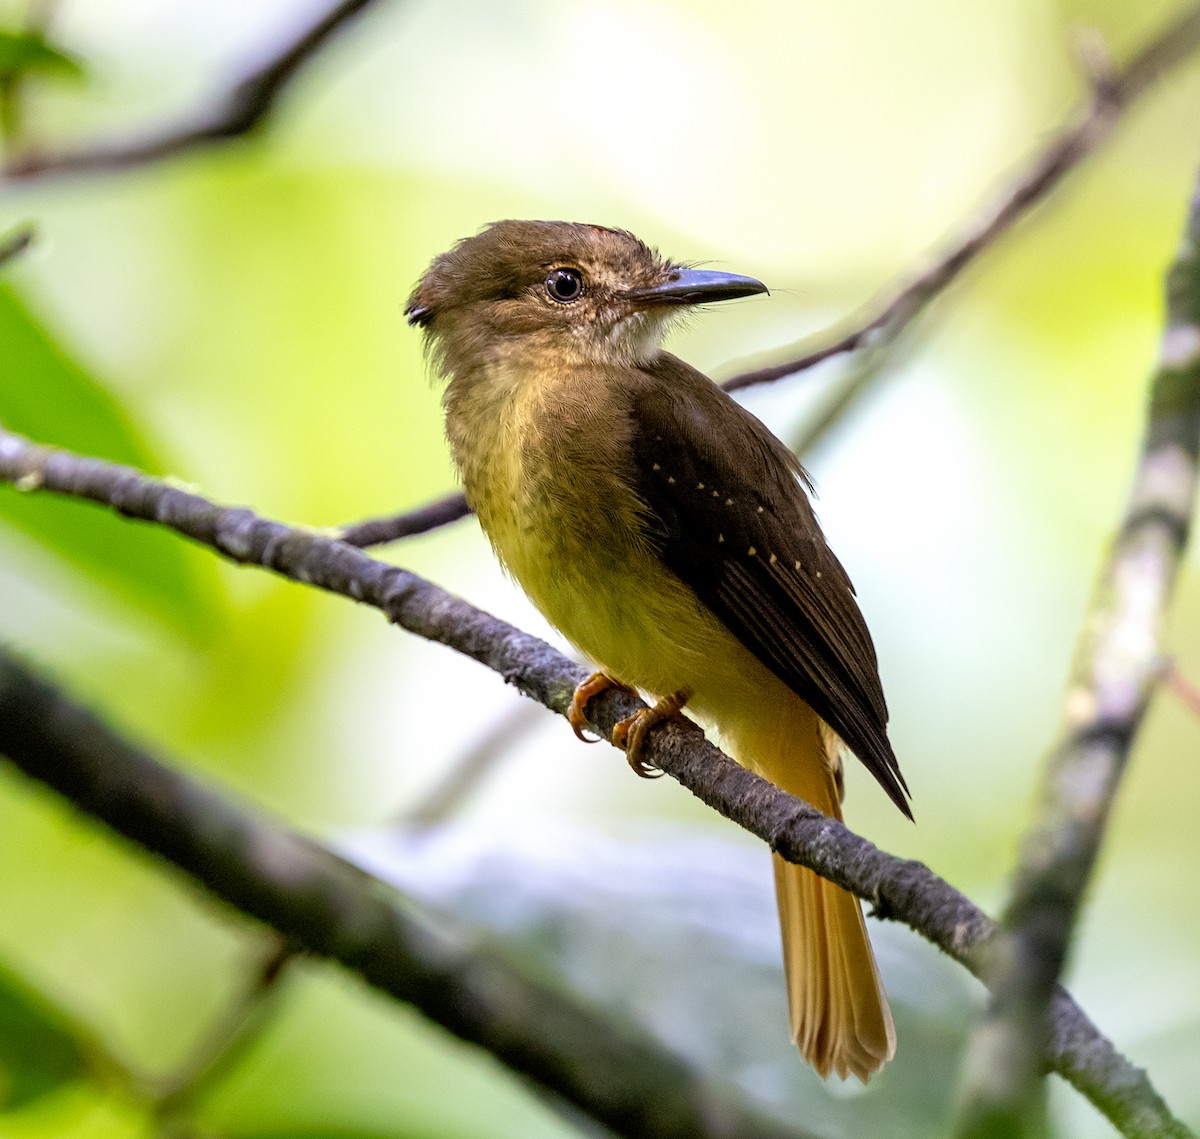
27	52
50	397
38	1051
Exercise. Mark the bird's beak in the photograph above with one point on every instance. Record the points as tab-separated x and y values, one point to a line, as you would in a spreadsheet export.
695	287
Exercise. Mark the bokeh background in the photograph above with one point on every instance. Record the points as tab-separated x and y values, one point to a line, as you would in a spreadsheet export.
233	318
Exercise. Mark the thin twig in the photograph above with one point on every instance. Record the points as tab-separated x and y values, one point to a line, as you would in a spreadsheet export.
607	1068
905	891
861	373
1118	665
227	1040
463	779
879	324
377	531
243	108
882	322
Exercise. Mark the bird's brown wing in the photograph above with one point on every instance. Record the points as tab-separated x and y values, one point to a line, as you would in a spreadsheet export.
726	504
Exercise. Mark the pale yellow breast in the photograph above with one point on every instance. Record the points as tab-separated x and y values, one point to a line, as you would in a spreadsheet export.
547	466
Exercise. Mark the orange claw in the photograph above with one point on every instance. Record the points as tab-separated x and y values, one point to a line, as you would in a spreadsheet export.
577	713
630	733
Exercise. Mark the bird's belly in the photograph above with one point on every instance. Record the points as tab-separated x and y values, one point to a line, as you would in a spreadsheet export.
615	601
578	547
637	624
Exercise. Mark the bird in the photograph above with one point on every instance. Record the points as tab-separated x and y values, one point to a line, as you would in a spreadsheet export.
670	537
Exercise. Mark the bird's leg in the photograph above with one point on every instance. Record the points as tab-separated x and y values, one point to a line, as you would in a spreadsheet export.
630	734
577	713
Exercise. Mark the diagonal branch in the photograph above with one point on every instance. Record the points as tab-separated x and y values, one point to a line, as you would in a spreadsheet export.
905	891
244	108
607	1068
1113	93
1118	665
880	323
393	527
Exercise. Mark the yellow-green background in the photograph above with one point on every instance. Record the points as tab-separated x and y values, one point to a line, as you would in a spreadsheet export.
238	312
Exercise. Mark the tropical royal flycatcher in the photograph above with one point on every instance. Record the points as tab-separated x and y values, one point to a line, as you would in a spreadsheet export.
669	536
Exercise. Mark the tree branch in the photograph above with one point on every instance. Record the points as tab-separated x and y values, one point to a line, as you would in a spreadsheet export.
1118	664
1112	94
880	324
393	527
242	109
905	891
608	1069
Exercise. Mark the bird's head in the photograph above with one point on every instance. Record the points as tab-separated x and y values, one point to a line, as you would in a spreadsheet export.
577	292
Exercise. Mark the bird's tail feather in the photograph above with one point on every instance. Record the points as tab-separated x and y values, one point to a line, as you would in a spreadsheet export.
838	1011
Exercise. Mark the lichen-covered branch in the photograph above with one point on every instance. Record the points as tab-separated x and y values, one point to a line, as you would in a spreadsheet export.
608	1069
243	108
1118	664
904	891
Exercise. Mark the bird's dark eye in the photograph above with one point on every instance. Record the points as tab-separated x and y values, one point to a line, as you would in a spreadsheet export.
565	285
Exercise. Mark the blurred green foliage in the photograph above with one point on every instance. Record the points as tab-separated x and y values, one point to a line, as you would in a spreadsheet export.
50	397
30	53
234	318
38	1053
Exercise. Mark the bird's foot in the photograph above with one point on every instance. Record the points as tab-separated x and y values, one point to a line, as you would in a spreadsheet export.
630	733
577	713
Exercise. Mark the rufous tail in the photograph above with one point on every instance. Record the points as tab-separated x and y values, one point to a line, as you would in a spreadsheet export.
838	1010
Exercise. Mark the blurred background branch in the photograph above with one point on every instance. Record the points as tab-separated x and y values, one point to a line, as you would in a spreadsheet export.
1113	92
207	316
899	890
609	1070
245	107
225	1043
464	777
871	332
1118	665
